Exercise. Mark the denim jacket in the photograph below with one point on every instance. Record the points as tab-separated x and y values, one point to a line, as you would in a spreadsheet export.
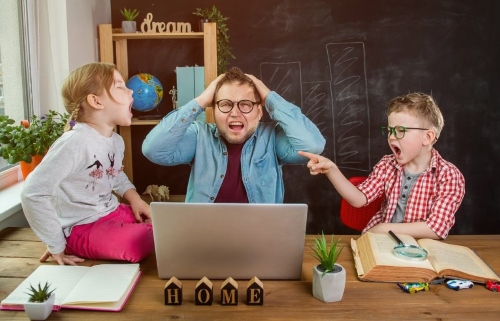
180	139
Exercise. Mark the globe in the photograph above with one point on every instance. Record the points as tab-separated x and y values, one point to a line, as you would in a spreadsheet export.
148	91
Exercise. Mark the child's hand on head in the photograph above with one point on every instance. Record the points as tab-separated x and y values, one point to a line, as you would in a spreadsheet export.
317	164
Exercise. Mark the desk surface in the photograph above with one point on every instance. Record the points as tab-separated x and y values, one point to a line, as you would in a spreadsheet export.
284	300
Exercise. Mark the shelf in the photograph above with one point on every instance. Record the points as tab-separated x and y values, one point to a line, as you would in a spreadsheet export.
137	121
113	49
144	36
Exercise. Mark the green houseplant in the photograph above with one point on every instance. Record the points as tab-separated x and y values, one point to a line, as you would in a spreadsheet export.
129	25
23	141
129	14
39	294
328	276
223	48
41	301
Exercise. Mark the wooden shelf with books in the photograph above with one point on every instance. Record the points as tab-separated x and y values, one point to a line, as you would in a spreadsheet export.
113	43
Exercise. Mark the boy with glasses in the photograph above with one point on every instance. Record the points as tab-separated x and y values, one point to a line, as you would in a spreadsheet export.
238	159
422	191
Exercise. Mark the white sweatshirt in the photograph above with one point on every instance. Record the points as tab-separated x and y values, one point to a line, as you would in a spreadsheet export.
73	184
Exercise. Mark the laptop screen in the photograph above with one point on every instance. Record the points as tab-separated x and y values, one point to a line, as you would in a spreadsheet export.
221	240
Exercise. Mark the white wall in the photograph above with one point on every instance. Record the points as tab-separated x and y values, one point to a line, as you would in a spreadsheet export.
67	39
83	38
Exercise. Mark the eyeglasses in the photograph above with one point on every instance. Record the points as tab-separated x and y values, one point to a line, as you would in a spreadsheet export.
397	131
245	106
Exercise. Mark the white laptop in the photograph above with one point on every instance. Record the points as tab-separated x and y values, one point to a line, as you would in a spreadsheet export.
221	240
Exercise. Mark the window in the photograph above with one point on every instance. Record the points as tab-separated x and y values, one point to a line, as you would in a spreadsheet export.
14	78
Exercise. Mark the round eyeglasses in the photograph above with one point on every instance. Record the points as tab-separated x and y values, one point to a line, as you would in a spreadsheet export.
245	106
398	131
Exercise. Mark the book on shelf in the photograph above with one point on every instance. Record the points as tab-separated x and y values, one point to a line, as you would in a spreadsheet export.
103	287
375	261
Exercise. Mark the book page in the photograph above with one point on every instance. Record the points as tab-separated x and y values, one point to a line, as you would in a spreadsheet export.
383	245
62	278
103	283
446	256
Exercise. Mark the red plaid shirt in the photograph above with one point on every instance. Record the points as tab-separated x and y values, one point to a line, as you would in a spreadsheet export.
434	198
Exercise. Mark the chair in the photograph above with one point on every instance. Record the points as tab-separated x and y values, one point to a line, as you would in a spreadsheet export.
358	218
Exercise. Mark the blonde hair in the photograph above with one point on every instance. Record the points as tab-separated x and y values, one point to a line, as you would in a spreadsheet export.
89	79
421	106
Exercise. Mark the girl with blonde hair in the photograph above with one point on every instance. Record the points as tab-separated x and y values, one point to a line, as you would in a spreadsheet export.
69	199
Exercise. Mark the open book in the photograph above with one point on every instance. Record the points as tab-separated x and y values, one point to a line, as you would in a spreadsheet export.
375	261
100	287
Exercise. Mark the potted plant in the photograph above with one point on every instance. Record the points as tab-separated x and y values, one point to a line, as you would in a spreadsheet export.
328	277
223	48
129	25
29	141
41	302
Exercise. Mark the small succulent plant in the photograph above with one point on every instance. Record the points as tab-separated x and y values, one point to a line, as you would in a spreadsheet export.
41	294
327	255
129	14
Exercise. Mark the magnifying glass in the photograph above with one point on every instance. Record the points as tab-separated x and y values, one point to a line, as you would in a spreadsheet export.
408	252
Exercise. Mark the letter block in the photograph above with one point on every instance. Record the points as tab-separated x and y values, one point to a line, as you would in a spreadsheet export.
229	292
173	292
255	292
203	293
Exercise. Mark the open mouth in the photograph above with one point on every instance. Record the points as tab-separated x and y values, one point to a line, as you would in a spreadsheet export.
396	150
236	126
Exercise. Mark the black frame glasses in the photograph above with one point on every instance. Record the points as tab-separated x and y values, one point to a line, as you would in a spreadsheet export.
244	105
398	131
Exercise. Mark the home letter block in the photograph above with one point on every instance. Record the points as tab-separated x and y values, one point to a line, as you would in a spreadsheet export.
173	292
229	292
255	292
203	293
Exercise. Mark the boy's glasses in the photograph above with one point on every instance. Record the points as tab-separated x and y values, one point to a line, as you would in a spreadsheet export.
398	131
245	106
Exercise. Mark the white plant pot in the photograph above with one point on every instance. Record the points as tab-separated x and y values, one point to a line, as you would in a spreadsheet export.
40	311
129	27
328	287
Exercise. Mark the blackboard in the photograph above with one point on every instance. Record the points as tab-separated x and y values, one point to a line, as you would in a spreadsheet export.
341	62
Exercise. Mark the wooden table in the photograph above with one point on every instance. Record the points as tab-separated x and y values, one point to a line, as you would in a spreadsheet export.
284	300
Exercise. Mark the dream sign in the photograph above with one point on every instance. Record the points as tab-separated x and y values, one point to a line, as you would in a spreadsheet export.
149	26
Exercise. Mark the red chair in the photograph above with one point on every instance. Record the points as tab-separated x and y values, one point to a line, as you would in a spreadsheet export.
358	218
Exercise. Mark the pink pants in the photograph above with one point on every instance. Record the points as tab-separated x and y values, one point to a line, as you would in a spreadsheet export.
117	236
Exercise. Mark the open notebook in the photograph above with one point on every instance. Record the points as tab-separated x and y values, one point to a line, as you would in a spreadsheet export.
220	240
103	287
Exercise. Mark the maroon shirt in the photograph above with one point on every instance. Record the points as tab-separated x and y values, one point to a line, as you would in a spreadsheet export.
232	189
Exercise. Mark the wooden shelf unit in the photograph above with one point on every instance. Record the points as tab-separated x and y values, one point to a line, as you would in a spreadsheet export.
108	51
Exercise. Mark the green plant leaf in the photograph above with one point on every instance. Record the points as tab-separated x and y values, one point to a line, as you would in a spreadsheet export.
326	254
223	48
18	143
39	294
129	14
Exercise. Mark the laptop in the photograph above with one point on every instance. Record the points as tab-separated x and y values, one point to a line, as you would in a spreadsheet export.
221	240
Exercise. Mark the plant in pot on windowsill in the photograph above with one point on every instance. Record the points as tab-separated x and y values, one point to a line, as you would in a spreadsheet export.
29	141
328	277
41	302
223	48
129	25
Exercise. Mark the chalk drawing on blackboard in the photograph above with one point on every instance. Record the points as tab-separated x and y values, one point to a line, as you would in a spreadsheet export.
350	108
283	78
317	107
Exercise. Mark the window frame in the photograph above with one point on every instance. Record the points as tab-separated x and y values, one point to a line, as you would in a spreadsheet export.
10	173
